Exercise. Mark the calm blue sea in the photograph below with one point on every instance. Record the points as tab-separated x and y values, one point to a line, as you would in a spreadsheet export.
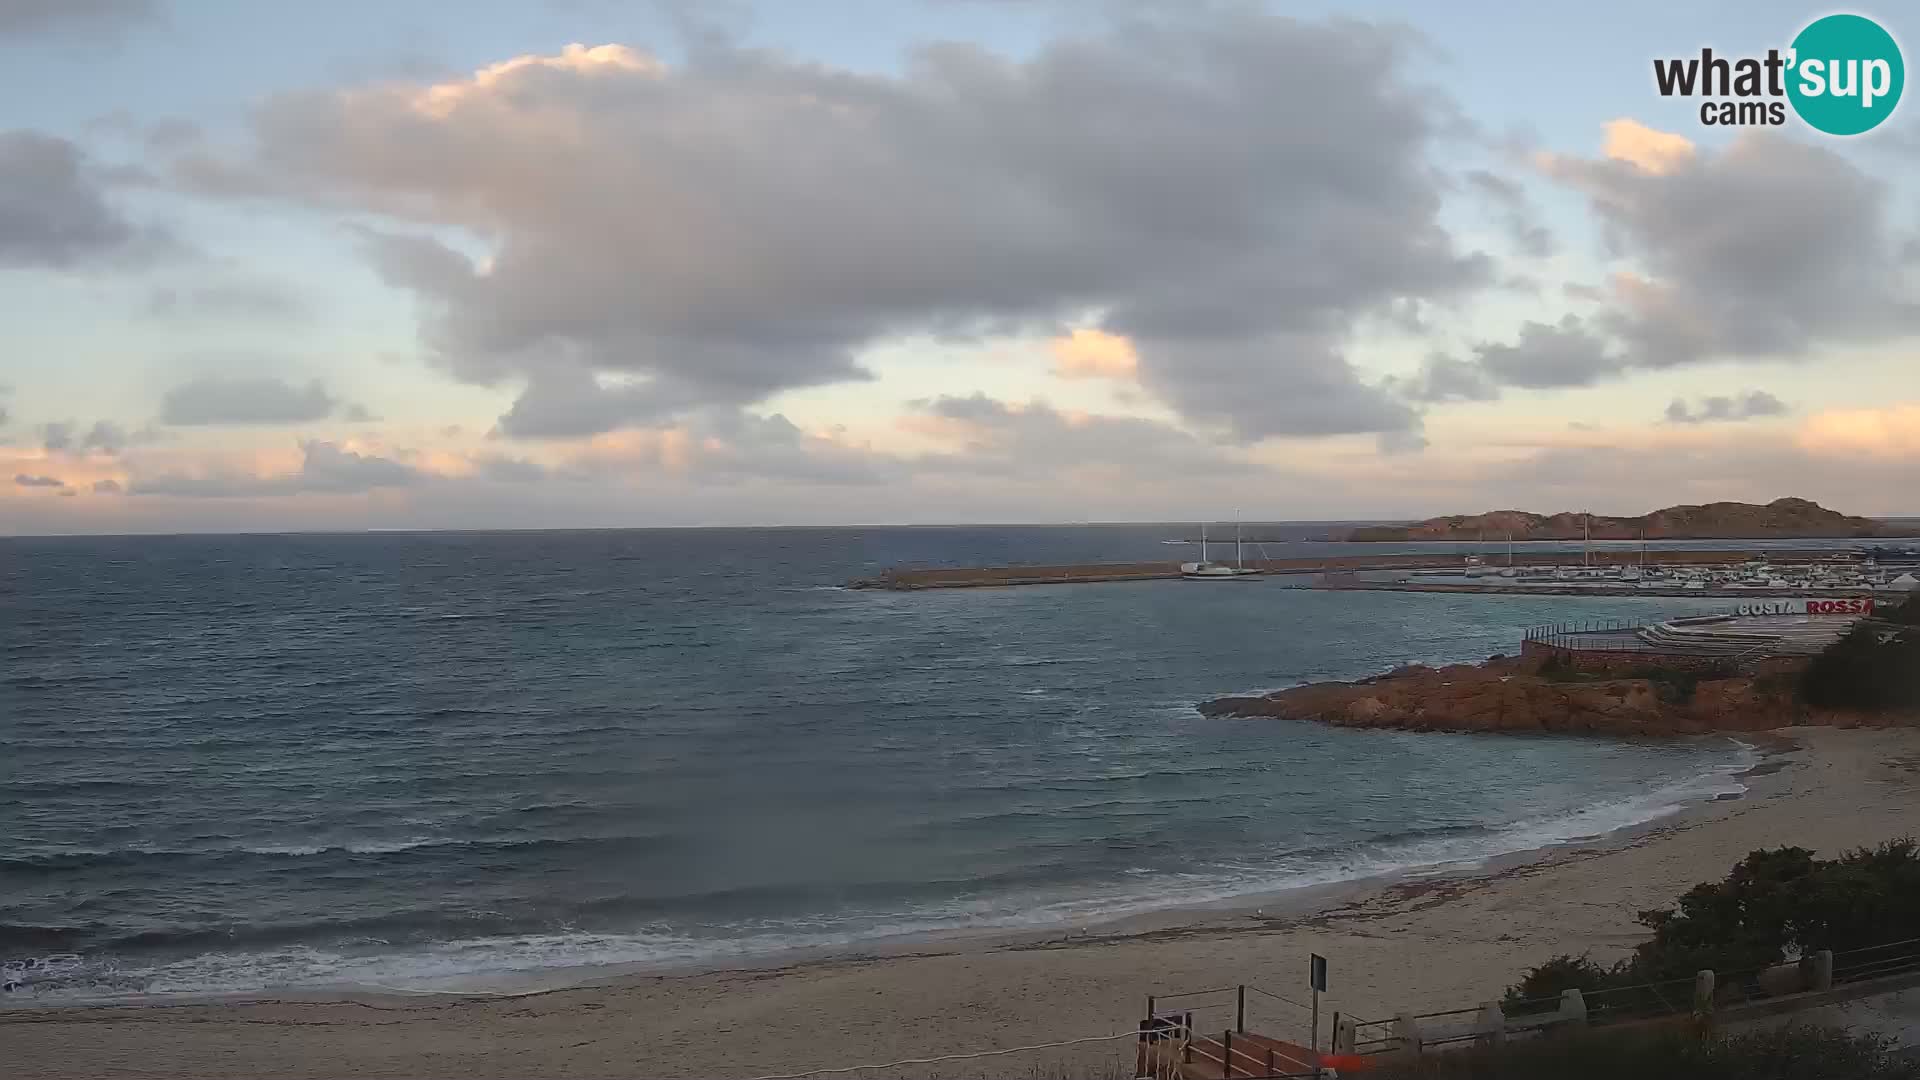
245	762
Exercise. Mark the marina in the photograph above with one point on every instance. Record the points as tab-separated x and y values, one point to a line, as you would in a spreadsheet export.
1613	572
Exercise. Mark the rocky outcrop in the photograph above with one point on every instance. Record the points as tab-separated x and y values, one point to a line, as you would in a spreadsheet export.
1509	694
1720	520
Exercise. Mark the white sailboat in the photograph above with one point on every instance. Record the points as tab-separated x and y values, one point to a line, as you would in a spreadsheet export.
1206	570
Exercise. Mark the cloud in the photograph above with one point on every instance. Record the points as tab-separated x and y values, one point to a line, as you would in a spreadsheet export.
248	400
25	480
727	447
53	214
105	436
1088	353
1748	406
630	241
108	487
1036	439
1657	152
325	467
1892	431
1550	356
22	18
1445	378
1763	250
239	300
1514	211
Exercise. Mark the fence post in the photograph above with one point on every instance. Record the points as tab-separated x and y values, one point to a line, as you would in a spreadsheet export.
1346	1034
1573	1007
1823	970
1703	994
1491	1024
1240	1009
1226	1055
1406	1030
1140	1049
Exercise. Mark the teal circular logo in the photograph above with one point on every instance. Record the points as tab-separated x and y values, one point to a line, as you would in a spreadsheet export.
1846	74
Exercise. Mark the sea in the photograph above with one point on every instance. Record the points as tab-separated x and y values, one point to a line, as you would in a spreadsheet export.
432	761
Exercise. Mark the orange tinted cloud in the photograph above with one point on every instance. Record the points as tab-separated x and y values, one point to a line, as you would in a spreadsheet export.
1890	432
1094	354
1658	152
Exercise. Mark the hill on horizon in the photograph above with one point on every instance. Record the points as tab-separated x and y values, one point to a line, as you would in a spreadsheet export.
1787	518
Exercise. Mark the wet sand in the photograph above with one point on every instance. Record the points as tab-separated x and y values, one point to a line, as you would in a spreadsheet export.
1415	943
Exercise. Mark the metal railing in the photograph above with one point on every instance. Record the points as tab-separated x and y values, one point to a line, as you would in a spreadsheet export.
1265	1060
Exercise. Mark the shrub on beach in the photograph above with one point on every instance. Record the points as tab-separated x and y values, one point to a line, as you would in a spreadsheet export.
1799	1053
1870	668
1905	613
1540	989
1774	904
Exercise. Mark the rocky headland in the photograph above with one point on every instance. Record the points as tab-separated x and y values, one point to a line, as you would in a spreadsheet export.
1526	694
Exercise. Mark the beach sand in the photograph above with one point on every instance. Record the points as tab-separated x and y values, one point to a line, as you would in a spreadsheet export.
1425	943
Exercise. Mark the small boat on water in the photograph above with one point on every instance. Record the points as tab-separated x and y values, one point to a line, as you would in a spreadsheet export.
1205	570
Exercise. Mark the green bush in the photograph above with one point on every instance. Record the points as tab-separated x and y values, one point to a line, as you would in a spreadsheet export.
1773	904
1675	686
1905	613
1869	668
1799	1053
1544	984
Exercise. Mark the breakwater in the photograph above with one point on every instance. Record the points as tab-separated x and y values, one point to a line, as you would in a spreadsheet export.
1075	573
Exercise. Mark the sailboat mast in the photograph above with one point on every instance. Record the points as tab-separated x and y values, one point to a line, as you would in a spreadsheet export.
1239	560
1586	538
1203	541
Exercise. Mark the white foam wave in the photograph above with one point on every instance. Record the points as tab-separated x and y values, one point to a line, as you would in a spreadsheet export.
559	958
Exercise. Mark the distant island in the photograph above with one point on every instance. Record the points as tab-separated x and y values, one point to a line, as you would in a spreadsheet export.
1781	518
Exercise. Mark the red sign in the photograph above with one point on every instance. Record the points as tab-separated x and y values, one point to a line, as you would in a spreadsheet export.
1853	605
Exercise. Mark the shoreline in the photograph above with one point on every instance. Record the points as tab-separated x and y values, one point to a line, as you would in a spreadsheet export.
1313	891
1422	941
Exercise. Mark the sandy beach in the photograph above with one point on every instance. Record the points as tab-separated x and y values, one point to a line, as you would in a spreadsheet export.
1431	942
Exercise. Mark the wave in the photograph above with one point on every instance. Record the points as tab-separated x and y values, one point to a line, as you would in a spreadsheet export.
438	950
82	859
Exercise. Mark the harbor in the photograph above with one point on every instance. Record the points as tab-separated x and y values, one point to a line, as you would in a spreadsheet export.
1599	572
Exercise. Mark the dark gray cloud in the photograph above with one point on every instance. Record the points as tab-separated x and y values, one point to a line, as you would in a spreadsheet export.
24	480
1515	212
1762	250
1444	378
20	18
326	468
52	211
245	400
1550	356
510	470
259	300
714	262
66	436
108	487
1748	406
1036	439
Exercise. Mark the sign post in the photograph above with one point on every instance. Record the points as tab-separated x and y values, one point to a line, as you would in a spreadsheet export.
1317	978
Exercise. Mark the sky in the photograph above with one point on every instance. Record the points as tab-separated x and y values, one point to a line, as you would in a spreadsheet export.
363	265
